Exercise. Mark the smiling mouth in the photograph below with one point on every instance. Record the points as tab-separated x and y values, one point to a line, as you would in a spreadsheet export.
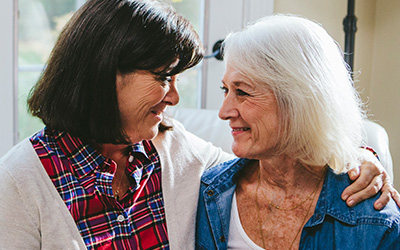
240	129
157	112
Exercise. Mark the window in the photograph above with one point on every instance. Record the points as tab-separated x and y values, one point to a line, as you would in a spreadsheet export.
39	23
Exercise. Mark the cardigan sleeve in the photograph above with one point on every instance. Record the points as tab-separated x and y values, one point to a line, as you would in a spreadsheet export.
32	213
209	154
17	228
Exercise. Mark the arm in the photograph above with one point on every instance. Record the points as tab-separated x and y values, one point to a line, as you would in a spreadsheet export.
32	213
369	179
17	230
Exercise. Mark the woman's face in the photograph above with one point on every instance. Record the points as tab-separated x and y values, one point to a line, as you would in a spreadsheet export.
253	116
142	100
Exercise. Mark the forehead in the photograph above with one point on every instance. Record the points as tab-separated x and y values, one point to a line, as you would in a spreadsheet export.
235	77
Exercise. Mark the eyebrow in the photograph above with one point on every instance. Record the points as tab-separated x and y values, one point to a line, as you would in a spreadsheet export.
240	83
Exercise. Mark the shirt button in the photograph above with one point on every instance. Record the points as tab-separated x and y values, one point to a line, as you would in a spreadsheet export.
120	218
318	216
210	192
130	159
222	239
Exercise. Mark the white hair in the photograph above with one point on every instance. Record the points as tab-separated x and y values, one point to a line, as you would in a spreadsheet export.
321	112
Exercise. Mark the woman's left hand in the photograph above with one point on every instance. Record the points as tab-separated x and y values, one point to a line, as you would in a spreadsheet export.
369	178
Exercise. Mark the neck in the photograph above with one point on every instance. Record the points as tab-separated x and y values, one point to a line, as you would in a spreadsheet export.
286	173
118	154
286	181
115	152
288	186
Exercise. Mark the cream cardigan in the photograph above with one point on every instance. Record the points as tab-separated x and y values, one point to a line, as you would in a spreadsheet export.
33	215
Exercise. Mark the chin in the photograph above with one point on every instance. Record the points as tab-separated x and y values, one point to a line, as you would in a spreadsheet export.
243	150
139	136
152	133
239	153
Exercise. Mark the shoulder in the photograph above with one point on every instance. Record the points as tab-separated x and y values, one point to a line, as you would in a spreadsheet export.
19	158
389	216
21	168
362	213
22	181
224	171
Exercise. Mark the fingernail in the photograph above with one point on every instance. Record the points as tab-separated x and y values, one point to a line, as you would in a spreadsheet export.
352	174
350	203
379	206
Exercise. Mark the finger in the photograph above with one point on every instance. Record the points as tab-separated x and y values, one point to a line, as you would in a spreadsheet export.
393	192
355	187
371	190
367	172
383	199
354	173
395	195
388	190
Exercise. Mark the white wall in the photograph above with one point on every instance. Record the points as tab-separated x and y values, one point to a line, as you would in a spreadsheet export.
7	62
384	87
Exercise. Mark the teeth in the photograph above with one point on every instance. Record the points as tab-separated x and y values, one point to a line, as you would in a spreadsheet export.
240	129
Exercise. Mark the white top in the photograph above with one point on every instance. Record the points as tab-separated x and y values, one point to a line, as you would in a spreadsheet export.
238	238
33	215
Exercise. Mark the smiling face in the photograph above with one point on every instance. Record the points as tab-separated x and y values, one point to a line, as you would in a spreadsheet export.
253	116
142	100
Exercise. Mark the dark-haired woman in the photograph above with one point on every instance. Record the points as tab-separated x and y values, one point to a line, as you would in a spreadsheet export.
102	96
92	178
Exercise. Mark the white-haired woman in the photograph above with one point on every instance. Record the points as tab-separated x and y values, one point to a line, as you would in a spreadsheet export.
297	126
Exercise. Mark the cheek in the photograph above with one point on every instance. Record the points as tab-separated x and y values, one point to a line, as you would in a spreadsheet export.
154	92
260	109
150	96
263	116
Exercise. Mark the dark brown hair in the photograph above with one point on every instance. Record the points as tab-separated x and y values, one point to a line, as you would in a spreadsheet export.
76	93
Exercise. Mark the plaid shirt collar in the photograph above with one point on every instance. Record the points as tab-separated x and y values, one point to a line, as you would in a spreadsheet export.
85	159
136	221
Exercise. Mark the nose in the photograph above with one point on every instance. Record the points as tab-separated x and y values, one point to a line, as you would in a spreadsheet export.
228	110
172	96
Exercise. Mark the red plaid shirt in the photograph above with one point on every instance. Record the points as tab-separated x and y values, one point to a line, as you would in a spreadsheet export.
83	179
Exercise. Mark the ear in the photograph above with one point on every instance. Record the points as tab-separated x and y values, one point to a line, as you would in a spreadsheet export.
119	79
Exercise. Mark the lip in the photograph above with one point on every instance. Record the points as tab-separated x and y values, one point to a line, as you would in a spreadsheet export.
158	114
239	130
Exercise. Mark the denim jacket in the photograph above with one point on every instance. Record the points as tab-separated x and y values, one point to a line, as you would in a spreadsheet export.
332	226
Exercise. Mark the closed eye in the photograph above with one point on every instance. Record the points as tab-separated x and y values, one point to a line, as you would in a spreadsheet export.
164	79
241	92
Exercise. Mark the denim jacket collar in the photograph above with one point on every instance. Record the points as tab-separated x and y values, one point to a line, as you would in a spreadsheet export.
227	178
328	203
332	223
227	173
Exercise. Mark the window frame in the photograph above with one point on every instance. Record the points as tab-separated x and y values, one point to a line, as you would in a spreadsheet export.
8	73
